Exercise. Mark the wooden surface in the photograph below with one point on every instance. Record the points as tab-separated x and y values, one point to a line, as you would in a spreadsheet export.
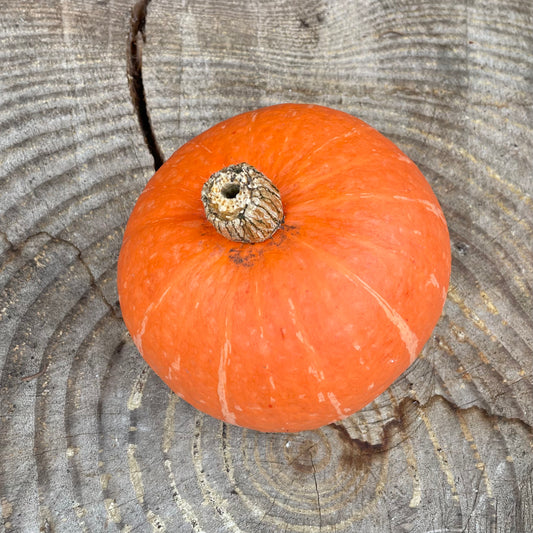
90	439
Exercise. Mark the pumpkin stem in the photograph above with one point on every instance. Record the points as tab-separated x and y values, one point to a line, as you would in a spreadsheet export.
242	204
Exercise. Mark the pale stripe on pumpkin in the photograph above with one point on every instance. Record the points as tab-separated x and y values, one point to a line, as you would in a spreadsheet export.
222	379
430	206
409	338
336	404
407	335
138	337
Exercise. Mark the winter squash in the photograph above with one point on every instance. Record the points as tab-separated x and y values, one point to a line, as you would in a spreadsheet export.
284	268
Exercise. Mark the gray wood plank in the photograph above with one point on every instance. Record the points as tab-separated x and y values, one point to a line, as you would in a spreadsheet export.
90	439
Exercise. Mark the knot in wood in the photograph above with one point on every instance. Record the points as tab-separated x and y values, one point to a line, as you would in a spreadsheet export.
242	204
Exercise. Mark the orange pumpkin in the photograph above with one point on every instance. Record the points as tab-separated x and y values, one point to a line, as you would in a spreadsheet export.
305	325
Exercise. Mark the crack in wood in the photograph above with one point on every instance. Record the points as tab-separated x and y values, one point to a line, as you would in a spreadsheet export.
474	506
317	494
46	527
5	238
36	375
136	39
16	248
385	445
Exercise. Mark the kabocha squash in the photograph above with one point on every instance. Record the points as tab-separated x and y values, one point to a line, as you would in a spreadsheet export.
284	267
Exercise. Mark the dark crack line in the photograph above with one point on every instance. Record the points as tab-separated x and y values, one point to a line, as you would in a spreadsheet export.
474	505
36	375
93	282
391	426
136	39
317	494
10	246
92	279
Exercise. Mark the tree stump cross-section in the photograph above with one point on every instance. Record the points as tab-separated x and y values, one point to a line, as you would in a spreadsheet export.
90	439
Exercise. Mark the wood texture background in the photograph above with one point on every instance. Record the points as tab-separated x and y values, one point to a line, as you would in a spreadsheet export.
90	439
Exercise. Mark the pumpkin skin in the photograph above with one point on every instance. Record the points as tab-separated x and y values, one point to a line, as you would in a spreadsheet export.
311	325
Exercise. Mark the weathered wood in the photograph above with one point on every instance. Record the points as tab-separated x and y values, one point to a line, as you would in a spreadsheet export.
90	439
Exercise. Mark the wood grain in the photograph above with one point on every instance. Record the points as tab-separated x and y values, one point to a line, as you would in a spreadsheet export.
90	439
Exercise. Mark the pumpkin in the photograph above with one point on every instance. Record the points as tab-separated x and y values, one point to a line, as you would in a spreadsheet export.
284	268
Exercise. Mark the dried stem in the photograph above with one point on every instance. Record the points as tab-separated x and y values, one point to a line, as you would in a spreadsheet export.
242	204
